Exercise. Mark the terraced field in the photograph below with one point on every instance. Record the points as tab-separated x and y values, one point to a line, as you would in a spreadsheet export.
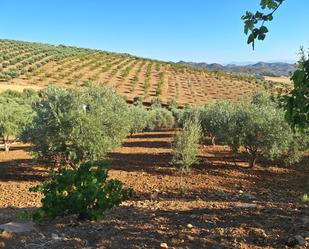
25	64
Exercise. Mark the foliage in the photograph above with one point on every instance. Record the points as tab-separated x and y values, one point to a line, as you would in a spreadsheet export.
260	127
190	112
215	118
185	147
84	191
160	118
138	100
264	131
297	102
139	119
71	126
172	104
156	103
253	20
15	114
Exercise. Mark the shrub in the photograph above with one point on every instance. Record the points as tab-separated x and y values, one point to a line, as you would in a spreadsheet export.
84	191
185	147
15	115
139	119
296	103
71	126
156	103
172	104
215	119
265	132
160	118
261	129
190	112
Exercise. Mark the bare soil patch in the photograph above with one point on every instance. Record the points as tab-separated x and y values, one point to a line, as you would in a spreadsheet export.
227	205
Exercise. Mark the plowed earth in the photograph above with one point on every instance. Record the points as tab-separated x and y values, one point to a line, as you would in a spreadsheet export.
226	204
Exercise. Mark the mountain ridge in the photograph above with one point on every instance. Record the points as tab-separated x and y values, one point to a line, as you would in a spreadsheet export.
259	68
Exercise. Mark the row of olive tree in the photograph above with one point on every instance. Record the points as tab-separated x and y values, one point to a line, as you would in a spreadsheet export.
257	125
68	126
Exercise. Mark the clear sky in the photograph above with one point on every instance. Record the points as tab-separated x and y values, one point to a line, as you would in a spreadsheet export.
191	30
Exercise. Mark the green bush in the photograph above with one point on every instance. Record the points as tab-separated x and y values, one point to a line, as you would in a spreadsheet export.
185	147
156	103
71	126
215	119
84	191
260	127
262	131
15	114
296	102
172	104
138	118
190	112
160	118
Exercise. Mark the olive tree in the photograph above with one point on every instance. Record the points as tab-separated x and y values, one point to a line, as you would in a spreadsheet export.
72	126
138	119
190	112
264	131
160	118
215	119
15	114
185	147
259	126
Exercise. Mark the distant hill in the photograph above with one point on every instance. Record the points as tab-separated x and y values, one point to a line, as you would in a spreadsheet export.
36	65
260	68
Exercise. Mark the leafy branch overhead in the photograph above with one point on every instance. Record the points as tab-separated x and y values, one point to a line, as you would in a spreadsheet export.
254	23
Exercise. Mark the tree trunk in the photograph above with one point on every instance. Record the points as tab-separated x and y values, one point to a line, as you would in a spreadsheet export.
6	147
252	161
213	141
181	184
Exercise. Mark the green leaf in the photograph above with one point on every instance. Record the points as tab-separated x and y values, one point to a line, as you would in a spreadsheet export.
250	38
263	29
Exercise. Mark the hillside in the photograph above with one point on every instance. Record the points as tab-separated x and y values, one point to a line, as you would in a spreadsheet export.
26	64
276	69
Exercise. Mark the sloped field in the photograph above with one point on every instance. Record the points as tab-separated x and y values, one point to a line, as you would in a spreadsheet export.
25	64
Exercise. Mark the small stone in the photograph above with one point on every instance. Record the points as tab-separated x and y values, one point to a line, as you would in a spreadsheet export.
18	227
240	192
154	196
221	193
42	235
300	240
163	245
246	205
190	238
55	236
189	226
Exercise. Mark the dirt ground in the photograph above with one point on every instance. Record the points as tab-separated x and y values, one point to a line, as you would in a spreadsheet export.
226	204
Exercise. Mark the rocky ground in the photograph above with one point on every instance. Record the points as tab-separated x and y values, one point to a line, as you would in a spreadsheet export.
226	204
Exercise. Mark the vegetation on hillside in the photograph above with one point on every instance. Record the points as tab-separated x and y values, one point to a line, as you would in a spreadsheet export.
26	63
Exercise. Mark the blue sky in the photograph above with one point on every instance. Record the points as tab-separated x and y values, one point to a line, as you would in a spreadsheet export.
192	30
